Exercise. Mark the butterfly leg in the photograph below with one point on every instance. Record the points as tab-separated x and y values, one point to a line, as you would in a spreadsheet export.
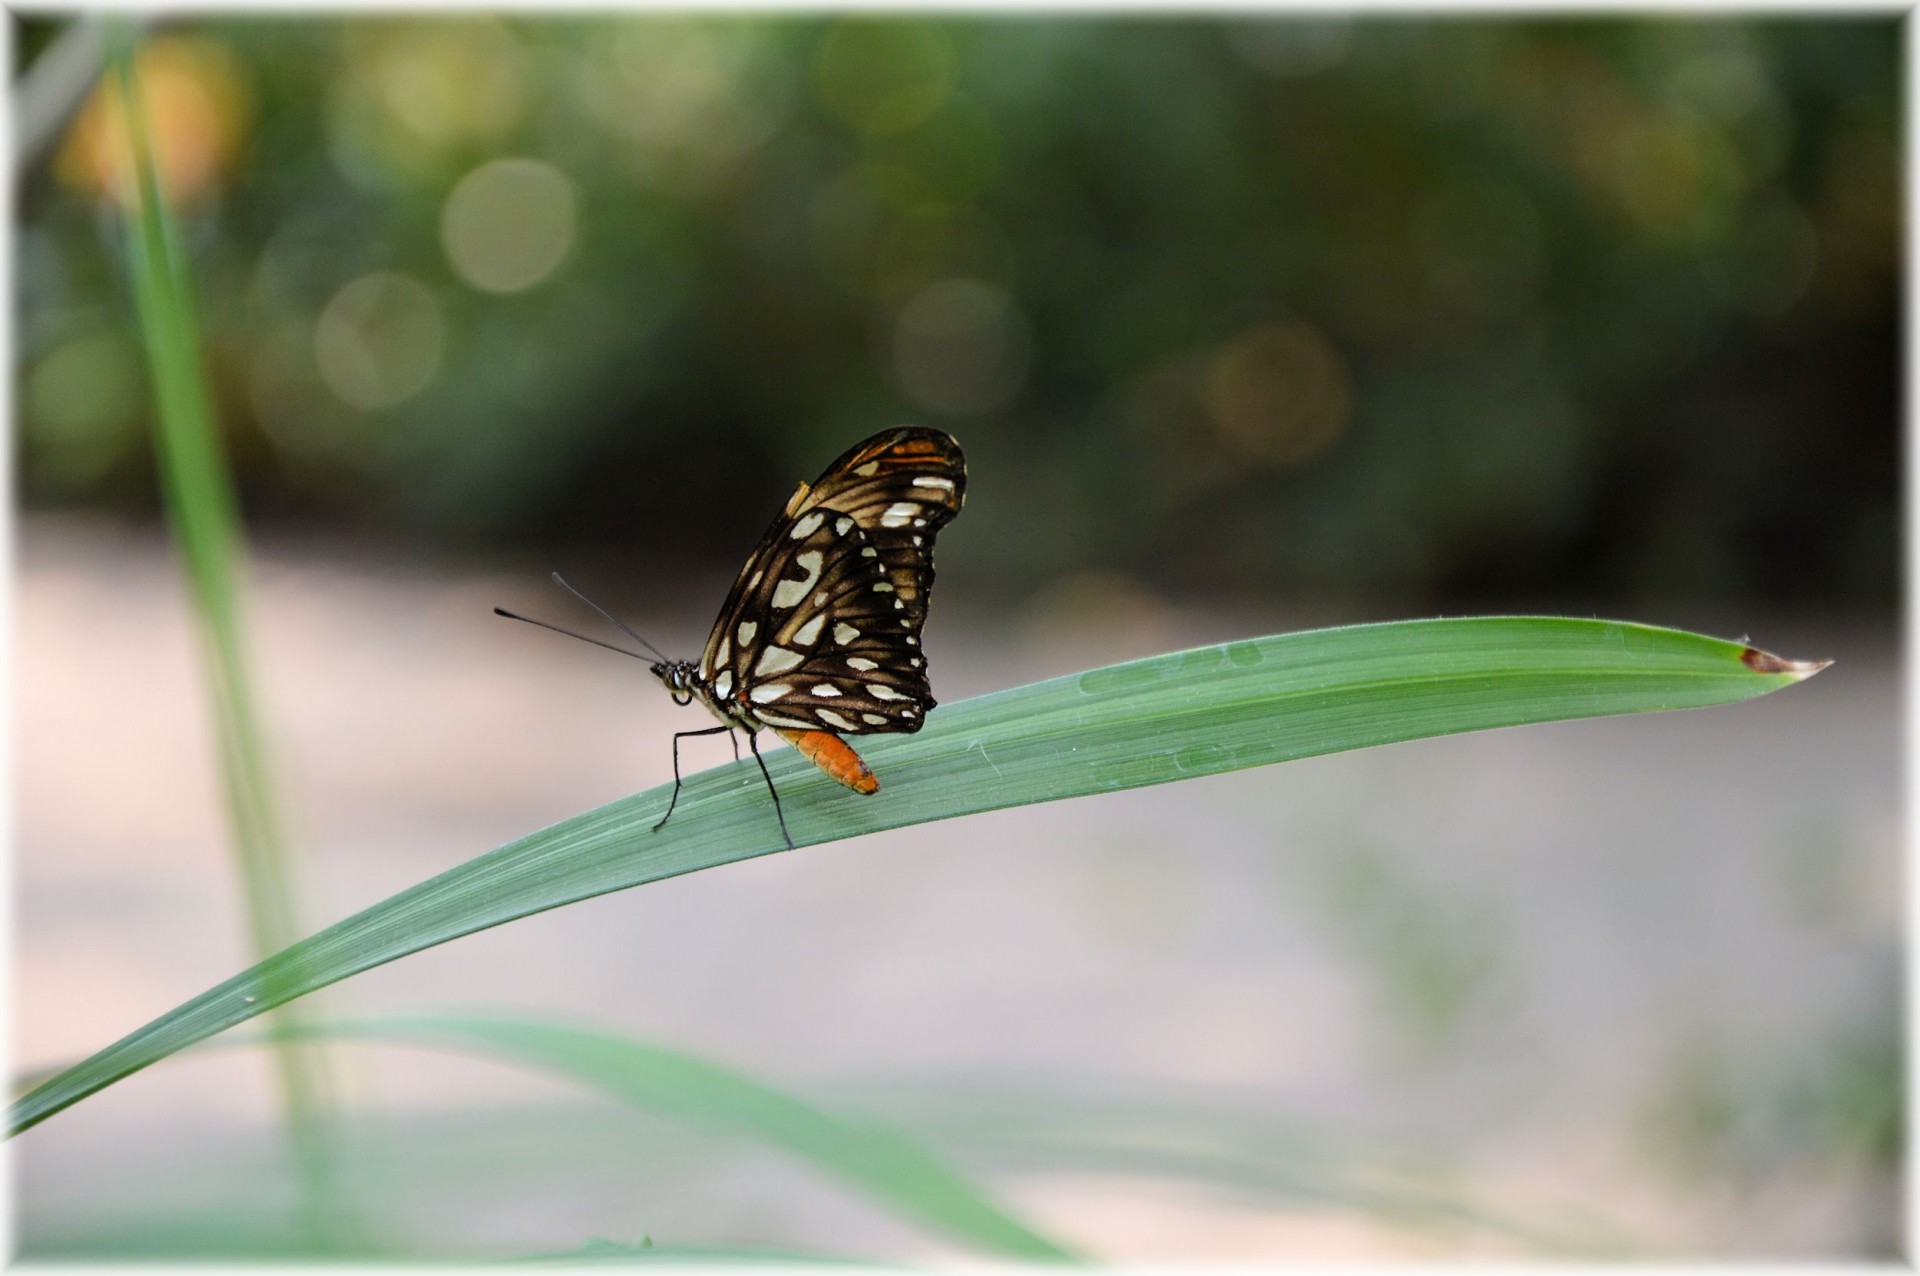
753	742
676	767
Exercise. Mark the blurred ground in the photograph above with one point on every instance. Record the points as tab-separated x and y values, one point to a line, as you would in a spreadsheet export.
1625	986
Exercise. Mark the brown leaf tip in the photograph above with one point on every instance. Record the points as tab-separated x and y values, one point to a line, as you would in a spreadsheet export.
1766	662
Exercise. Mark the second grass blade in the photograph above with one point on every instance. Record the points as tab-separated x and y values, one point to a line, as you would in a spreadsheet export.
881	1163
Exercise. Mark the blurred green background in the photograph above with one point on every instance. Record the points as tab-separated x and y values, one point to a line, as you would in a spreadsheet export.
1404	314
1244	323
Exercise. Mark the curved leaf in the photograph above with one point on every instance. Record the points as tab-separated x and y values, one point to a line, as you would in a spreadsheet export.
1172	717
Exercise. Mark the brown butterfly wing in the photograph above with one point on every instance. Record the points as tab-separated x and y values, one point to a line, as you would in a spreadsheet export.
900	487
821	630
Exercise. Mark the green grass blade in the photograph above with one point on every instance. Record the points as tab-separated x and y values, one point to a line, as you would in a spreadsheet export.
1172	717
205	521
876	1160
881	1163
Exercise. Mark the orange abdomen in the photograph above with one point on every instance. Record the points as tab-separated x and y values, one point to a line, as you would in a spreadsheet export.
834	756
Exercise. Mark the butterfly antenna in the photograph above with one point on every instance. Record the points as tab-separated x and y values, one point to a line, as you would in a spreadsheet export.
513	615
610	616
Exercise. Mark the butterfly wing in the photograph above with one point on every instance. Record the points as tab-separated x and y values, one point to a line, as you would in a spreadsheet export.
820	641
822	628
900	487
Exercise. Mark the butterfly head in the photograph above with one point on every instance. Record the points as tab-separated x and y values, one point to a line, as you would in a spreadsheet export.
677	676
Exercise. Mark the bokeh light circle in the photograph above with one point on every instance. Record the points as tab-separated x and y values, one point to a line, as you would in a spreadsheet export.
508	224
198	116
82	405
1279	392
884	77
961	346
379	340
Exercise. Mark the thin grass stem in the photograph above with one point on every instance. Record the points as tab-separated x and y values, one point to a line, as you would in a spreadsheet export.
203	513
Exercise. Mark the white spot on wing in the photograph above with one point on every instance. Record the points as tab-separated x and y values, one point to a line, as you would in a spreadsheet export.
826	691
899	514
768	692
778	720
809	633
774	660
845	634
869	552
833	719
861	663
874	718
789	592
884	587
805	527
881	691
746	631
723	685
842	525
868	470
922	480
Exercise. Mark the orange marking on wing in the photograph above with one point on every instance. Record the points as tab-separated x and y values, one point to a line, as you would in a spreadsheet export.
834	756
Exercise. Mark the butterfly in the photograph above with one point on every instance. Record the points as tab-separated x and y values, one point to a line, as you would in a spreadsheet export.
819	638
